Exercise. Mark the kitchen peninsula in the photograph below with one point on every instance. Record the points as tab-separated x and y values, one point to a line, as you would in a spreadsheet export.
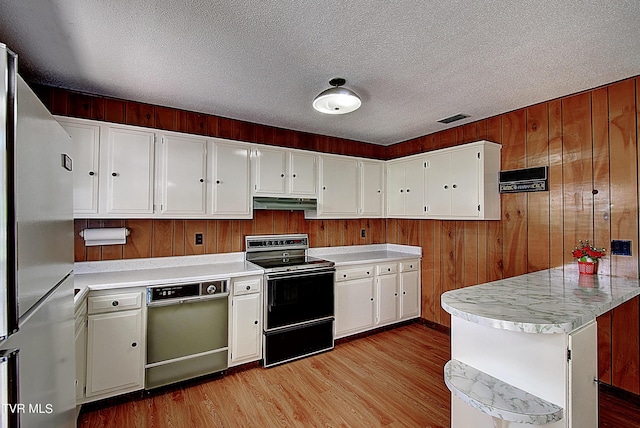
524	349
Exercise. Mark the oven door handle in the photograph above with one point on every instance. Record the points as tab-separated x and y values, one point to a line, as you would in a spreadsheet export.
299	274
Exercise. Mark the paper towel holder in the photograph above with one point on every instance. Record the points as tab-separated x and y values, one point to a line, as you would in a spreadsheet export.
105	236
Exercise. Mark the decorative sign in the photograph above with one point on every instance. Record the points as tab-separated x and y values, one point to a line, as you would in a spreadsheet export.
524	180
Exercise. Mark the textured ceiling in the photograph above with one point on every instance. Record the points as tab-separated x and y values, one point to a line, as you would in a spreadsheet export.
411	62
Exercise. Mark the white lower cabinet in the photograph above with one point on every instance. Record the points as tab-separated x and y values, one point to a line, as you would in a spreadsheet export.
354	310
410	298
81	351
246	321
387	294
115	345
370	296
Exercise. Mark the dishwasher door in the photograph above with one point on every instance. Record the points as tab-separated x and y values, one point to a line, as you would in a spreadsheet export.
186	340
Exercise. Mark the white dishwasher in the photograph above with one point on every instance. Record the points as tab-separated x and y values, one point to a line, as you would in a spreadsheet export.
187	331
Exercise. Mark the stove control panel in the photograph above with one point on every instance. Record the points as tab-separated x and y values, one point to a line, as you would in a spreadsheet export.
276	242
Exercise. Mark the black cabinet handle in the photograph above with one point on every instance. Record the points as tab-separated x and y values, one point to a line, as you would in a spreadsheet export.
115	303
379	191
294	175
217	181
388	269
114	174
92	173
324	187
202	180
395	294
256	322
446	187
281	175
401	190
134	344
344	275
248	287
455	186
367	273
372	299
408	190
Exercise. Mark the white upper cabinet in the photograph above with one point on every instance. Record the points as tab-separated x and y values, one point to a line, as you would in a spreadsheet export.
462	182
371	189
231	181
302	175
405	187
339	186
130	169
279	172
183	174
85	156
349	188
270	171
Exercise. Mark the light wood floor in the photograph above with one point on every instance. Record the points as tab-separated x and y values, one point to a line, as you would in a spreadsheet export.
392	379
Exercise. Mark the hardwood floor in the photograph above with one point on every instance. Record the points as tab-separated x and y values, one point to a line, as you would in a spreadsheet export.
391	379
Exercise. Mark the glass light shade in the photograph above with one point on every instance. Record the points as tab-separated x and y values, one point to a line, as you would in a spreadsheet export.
336	100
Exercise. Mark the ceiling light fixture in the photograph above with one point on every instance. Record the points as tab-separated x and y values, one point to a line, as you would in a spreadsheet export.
336	100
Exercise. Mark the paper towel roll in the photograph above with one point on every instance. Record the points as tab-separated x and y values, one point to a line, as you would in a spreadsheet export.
108	236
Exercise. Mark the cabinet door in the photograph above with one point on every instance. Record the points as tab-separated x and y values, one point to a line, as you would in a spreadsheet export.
465	165
81	356
414	184
246	328
354	306
85	155
270	171
184	171
583	372
302	174
410	294
438	179
395	189
231	194
387	297
371	189
130	172
114	352
339	186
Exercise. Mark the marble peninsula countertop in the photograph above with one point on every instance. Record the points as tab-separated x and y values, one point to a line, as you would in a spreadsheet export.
557	300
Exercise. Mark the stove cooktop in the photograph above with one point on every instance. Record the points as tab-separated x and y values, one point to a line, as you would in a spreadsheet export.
284	264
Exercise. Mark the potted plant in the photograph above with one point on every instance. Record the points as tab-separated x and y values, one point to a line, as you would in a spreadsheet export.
588	257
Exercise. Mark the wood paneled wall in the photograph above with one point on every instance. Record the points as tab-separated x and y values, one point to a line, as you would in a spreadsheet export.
69	103
589	141
169	237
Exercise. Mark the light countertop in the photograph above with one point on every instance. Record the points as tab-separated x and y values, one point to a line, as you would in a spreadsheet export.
112	274
358	254
550	301
156	271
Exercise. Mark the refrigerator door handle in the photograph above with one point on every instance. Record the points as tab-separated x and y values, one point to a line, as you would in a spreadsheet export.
9	393
8	232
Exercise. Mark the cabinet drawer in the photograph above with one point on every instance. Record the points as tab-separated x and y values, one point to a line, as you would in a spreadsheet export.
246	287
354	273
387	268
114	302
409	265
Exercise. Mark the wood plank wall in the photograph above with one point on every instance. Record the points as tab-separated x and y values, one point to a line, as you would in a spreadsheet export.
589	141
170	237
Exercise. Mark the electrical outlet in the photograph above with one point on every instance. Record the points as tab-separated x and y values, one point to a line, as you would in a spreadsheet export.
363	233
198	238
620	247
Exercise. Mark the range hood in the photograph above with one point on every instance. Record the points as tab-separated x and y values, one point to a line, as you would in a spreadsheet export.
287	204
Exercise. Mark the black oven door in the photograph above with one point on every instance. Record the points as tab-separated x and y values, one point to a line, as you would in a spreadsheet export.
294	298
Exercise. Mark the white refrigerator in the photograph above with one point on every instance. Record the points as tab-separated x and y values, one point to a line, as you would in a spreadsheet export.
37	373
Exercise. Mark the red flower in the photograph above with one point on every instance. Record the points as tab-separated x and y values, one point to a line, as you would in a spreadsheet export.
594	254
577	253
